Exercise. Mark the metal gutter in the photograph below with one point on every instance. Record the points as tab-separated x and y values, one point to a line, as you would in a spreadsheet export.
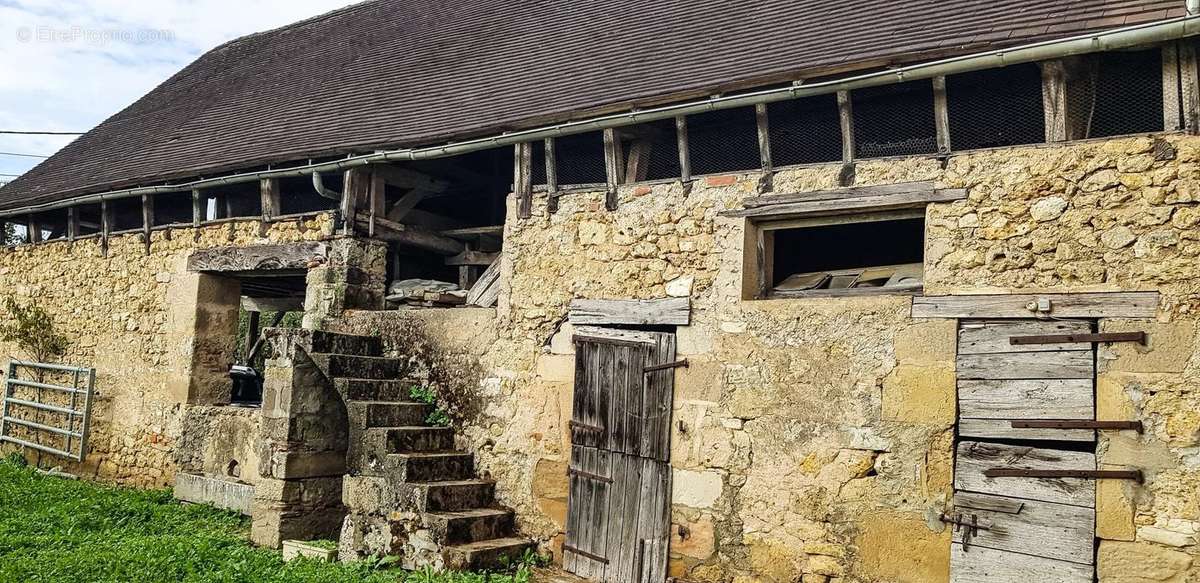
1143	34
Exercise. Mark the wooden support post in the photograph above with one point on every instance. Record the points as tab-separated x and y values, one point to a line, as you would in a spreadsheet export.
105	226
1171	90
846	118
355	191
941	114
199	209
551	176
523	179
72	223
764	137
252	324
614	166
638	166
1189	82
376	201
1054	100
147	219
33	229
268	190
685	157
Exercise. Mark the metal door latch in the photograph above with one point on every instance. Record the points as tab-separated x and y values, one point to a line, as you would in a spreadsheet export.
969	526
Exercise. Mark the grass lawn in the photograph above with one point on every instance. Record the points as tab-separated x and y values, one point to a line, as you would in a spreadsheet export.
55	530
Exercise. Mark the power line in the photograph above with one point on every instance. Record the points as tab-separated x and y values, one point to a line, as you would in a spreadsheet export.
10	175
23	155
20	133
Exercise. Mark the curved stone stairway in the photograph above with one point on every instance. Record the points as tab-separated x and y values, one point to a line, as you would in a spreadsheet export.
410	493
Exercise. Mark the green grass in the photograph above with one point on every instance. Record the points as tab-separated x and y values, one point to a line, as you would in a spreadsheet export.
55	530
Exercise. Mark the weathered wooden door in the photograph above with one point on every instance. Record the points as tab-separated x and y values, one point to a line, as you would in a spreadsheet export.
1021	528
618	509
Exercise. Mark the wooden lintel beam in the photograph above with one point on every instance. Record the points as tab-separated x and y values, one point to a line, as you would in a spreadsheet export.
477	258
408	178
418	237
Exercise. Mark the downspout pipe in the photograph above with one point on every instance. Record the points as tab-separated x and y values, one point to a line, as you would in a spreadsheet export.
1193	7
1120	38
319	186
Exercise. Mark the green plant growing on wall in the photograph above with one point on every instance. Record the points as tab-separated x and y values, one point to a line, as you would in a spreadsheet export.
439	417
32	329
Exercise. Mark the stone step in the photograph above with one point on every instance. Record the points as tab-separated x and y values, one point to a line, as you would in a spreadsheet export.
419	439
429	466
367	414
450	496
468	526
362	367
391	391
485	554
334	343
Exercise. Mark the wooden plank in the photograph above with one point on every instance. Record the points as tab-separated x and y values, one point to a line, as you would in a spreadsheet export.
478	258
984	565
1042	529
660	390
764	137
551	175
290	256
654	515
615	336
72	223
486	290
33	229
941	114
974	458
995	337
147	220
1026	399
106	223
619	504
614	167
523	179
415	236
376	202
638	165
846	121
850	205
1027	365
666	312
632	484
1172	116
1082	305
1003	429
685	156
356	186
1189	82
927	188
1054	100
966	501
199	209
472	233
268	189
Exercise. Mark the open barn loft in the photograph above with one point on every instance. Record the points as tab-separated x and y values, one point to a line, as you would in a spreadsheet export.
751	292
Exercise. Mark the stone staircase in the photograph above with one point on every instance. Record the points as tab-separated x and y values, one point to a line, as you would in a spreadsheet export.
410	493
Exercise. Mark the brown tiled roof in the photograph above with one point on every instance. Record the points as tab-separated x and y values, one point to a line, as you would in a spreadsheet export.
396	73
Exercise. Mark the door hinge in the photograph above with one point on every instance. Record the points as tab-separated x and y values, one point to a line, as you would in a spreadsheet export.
1139	337
1135	475
589	475
969	526
1075	424
594	557
657	367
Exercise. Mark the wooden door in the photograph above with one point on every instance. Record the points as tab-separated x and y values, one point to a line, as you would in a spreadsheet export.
618	508
1021	529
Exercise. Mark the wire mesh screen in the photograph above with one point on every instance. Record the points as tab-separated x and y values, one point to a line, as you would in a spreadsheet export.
538	175
1116	93
723	141
652	150
996	107
895	120
805	131
580	158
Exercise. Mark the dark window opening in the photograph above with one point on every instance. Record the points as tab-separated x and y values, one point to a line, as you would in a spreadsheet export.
885	254
16	232
895	120
173	209
538	163
580	159
996	107
1118	93
88	217
298	196
51	225
725	140
126	214
805	131
651	151
240	200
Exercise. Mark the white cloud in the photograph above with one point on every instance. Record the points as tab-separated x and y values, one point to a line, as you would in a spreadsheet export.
66	65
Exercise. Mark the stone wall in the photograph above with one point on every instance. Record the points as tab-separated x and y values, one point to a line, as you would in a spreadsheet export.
812	439
133	316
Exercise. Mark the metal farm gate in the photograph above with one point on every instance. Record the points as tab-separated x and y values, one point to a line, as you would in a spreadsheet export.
618	518
47	407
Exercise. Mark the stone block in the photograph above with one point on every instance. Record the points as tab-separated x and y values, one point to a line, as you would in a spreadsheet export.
696	489
291	465
1169	346
929	343
563	341
1115	509
918	394
695	539
699	381
217	492
557	368
693	340
294	549
1113	401
1131	562
900	548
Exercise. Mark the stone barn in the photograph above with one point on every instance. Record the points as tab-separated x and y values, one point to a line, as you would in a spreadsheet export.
754	292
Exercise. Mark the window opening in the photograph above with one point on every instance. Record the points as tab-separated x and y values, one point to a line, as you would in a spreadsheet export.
996	107
805	131
895	120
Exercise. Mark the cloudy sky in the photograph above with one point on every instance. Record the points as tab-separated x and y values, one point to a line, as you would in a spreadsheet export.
67	65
